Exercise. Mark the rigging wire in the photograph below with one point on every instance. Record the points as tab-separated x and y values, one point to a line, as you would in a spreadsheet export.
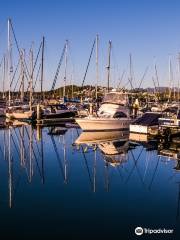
88	62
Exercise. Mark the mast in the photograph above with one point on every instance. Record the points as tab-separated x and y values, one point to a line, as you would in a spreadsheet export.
97	69
10	68
65	73
178	80
31	79
4	74
109	65
42	68
72	87
22	76
157	80
130	71
170	78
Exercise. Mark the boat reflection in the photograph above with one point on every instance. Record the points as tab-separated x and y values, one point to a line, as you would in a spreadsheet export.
97	137
113	145
171	151
26	150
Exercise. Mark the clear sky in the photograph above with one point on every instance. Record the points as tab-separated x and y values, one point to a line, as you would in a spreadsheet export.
144	28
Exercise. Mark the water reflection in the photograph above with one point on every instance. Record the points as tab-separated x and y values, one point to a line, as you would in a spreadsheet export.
77	165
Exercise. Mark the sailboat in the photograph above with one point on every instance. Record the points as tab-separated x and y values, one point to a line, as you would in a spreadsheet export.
20	111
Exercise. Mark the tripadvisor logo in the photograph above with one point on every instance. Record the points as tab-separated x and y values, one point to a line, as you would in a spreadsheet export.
139	231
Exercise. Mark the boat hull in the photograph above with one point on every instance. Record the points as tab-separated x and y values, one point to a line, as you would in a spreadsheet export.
59	115
22	116
103	124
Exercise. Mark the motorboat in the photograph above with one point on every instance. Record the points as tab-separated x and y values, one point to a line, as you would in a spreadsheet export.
113	114
57	111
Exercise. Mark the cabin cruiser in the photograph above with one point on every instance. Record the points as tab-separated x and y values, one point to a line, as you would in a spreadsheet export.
21	112
57	111
113	114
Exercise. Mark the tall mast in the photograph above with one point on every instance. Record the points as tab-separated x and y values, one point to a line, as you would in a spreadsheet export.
97	69
170	78
22	75
10	68
178	79
31	79
109	65
4	74
130	71
157	78
65	73
72	88
42	67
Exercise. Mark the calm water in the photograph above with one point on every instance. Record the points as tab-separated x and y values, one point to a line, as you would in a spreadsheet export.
102	188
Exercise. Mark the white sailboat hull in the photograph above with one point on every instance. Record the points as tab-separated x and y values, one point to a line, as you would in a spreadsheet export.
101	124
20	115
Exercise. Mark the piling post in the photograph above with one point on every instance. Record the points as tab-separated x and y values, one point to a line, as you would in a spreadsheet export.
91	109
39	132
38	112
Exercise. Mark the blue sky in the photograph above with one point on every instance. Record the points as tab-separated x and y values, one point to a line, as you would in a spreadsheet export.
144	28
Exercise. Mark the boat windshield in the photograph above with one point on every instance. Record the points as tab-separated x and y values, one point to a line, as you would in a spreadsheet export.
116	98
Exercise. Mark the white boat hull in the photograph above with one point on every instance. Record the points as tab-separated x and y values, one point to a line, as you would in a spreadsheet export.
23	115
101	124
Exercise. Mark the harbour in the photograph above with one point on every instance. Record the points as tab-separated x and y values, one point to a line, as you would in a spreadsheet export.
90	120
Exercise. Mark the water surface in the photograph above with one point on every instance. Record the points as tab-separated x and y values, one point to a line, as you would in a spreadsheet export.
74	185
